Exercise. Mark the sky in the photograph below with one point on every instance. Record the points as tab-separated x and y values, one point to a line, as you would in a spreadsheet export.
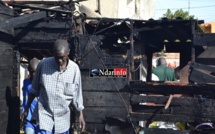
201	9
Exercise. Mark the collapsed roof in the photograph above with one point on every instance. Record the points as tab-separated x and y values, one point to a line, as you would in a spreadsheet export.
41	23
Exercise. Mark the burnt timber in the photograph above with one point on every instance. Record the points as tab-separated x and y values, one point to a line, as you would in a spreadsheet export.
94	44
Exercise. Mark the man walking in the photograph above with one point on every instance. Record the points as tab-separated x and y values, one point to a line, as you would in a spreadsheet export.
57	84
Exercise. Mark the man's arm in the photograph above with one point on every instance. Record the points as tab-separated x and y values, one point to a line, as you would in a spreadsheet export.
25	113
81	121
78	100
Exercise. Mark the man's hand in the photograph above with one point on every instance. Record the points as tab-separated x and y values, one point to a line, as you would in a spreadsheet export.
23	117
81	122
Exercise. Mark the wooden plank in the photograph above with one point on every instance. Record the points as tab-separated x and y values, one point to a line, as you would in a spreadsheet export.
102	84
201	77
206	61
10	107
5	14
176	101
11	23
204	39
7	35
110	99
41	36
55	24
203	67
170	117
4	72
171	88
207	57
160	117
198	111
28	47
164	131
99	114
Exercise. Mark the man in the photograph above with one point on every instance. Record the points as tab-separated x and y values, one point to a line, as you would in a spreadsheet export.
29	126
57	83
163	72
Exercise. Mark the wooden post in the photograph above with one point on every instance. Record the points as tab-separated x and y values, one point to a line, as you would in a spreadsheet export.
10	101
193	46
131	70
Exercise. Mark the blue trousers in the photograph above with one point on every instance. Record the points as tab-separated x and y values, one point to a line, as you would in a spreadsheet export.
30	128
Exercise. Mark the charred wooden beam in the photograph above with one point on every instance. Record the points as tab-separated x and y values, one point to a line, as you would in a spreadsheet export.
10	102
160	117
193	50
204	39
99	114
41	36
5	14
104	19
169	117
131	69
108	99
28	46
40	8
6	35
105	84
51	24
171	88
201	77
7	26
194	110
203	67
13	22
176	101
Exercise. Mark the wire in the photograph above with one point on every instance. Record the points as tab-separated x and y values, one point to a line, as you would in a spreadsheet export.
186	7
105	28
115	86
97	26
110	26
137	68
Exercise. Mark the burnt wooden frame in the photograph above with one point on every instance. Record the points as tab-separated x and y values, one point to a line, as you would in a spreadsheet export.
24	41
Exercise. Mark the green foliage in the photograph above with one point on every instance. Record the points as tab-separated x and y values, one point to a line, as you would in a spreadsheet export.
182	14
202	28
178	13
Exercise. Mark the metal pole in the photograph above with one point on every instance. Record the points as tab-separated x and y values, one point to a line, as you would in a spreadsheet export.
98	7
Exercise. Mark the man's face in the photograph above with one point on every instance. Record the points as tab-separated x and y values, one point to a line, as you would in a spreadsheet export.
61	57
31	71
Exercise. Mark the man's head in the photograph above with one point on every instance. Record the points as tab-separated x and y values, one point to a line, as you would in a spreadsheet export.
161	61
33	66
61	51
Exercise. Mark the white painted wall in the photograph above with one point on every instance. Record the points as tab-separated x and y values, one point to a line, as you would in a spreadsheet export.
134	9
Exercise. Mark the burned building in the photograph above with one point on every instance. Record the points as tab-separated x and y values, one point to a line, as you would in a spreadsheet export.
29	31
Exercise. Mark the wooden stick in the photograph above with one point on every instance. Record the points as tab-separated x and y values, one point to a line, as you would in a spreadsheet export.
169	101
